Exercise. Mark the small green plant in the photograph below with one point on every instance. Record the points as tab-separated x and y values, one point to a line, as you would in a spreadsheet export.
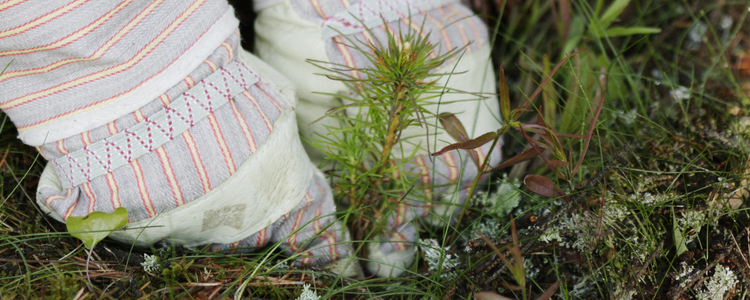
549	140
179	270
64	286
366	149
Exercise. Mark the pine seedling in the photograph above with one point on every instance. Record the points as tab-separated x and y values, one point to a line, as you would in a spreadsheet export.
366	150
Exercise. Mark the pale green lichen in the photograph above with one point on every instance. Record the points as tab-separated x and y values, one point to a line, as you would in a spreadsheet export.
691	222
716	288
685	272
626	294
649	199
498	206
308	294
150	263
615	212
437	259
503	200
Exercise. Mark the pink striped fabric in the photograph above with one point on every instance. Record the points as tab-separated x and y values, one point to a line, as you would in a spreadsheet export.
98	158
65	58
183	169
68	57
127	72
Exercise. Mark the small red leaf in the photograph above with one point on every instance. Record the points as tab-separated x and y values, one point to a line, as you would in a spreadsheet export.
575	136
470	144
543	186
540	120
558	163
541	145
453	126
540	185
549	292
524	156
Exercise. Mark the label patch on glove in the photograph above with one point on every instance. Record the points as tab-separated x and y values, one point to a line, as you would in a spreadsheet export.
230	216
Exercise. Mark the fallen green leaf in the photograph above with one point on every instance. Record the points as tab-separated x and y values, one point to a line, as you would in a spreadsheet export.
96	226
678	238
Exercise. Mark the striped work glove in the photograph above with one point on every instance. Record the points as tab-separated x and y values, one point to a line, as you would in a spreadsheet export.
151	106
